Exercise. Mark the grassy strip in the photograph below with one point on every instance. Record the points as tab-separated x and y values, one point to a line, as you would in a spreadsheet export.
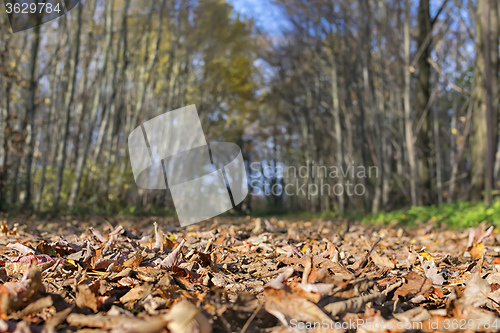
461	214
454	215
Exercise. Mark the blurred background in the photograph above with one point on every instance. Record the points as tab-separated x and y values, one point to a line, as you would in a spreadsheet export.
410	87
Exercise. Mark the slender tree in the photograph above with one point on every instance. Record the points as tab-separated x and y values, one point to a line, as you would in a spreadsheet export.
68	106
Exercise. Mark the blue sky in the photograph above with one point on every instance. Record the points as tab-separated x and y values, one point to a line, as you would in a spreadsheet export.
265	13
271	17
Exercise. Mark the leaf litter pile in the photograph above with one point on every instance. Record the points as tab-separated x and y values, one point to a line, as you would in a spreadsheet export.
246	275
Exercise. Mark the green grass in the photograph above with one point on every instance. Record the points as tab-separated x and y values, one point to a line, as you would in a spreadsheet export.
461	214
454	215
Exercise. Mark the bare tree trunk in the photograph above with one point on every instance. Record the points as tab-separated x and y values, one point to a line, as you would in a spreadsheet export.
20	127
437	144
453	141
54	81
114	88
460	150
87	134
368	97
495	80
68	103
114	112
103	128
4	114
479	148
339	151
407	109
364	157
422	106
146	70
491	125
30	116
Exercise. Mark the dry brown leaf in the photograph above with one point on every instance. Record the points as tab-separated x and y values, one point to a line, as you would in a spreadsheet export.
34	307
14	295
173	257
117	323
382	260
85	298
357	304
285	307
277	283
476	292
136	293
319	288
184	317
135	260
414	285
431	271
23	249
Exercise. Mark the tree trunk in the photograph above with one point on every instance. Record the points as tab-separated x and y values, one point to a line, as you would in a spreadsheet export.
437	145
87	134
30	115
479	148
490	83
407	109
339	151
422	106
495	80
5	88
68	103
146	71
53	83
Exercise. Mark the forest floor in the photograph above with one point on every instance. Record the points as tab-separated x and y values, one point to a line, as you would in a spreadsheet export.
245	275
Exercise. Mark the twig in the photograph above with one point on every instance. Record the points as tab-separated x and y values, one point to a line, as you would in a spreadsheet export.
295	250
98	235
158	238
365	260
453	85
357	303
252	317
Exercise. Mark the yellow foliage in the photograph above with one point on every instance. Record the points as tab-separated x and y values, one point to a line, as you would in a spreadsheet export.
427	256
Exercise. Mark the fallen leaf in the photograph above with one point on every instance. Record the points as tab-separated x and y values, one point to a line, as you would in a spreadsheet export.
184	317
14	295
414	285
85	298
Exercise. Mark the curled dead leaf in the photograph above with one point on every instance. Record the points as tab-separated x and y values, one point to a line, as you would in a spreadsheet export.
85	298
13	295
173	257
277	283
184	317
